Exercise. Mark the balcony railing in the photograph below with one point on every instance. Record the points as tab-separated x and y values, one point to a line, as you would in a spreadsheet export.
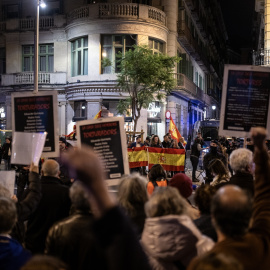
118	10
261	58
30	23
28	78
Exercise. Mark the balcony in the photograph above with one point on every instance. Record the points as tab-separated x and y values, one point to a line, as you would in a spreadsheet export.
118	11
190	90
261	58
28	78
187	40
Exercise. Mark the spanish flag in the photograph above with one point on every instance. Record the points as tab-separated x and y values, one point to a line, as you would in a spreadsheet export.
174	131
170	159
98	115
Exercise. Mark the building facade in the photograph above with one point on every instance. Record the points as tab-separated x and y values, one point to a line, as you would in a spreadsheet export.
75	36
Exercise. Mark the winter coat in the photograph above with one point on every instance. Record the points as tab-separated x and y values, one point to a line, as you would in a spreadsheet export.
172	240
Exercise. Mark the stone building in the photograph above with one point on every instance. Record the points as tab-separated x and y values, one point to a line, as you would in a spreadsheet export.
76	35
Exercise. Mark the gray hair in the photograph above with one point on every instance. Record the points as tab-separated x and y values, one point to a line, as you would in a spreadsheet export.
240	159
132	194
50	168
79	196
165	201
8	214
4	192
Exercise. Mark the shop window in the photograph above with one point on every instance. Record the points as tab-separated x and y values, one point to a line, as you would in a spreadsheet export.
111	46
79	56
156	46
46	57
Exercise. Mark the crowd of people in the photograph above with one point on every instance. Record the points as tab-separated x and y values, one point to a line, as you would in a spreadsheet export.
145	226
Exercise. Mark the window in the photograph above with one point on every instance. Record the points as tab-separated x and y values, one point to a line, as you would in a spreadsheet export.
112	45
79	56
10	11
185	66
80	110
2	60
46	57
156	45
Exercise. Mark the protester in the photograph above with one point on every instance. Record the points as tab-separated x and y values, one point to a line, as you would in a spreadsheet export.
6	149
196	149
203	197
72	239
157	178
213	154
132	195
54	206
166	142
155	142
112	228
44	262
12	254
184	186
231	211
217	261
170	239
138	142
241	161
147	141
27	205
220	172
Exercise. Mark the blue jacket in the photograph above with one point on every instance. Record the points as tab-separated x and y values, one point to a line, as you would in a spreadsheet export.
12	255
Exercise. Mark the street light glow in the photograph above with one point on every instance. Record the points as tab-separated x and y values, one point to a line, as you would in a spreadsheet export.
214	107
42	4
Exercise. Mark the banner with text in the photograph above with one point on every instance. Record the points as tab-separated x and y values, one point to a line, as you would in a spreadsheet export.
107	137
245	100
37	113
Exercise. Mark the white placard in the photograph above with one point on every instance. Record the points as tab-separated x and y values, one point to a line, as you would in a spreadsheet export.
27	147
108	139
7	179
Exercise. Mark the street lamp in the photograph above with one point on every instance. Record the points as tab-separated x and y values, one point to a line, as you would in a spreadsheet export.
214	110
40	3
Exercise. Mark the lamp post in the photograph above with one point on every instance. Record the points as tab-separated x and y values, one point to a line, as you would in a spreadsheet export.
40	3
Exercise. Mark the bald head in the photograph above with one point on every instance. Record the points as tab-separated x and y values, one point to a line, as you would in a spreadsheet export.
50	168
231	210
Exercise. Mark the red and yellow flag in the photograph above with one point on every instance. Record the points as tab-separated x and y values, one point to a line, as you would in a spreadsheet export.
170	159
98	115
174	131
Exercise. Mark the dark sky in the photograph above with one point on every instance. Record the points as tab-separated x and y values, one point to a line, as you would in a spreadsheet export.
238	16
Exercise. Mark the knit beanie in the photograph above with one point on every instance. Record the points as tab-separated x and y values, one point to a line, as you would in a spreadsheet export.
183	183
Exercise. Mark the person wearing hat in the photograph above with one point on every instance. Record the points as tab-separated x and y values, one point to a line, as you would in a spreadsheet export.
212	154
183	184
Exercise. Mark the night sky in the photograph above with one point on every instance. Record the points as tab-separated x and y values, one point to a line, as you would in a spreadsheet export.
238	15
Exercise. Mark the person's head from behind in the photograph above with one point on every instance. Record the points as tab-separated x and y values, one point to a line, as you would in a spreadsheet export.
132	194
217	261
241	161
231	210
50	168
217	167
45	262
165	201
203	197
8	215
157	173
182	183
147	139
79	196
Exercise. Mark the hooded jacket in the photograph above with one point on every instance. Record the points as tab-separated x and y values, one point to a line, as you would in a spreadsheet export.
172	240
12	254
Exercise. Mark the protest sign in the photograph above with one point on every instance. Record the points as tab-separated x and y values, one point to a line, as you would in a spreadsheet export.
108	139
37	113
245	100
27	147
7	179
